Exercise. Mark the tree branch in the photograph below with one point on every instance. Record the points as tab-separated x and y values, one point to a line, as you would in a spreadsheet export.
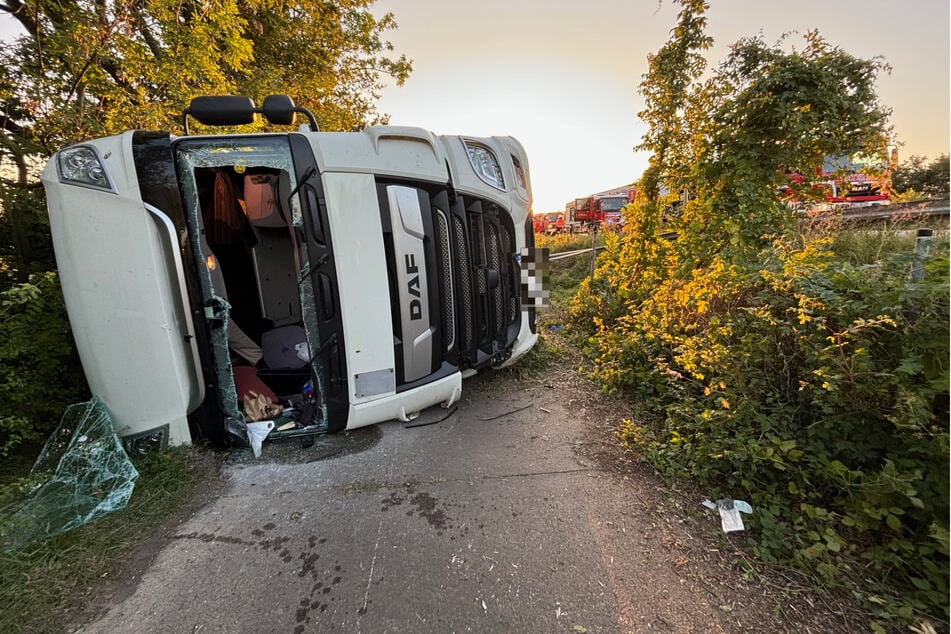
10	126
15	184
17	9
150	40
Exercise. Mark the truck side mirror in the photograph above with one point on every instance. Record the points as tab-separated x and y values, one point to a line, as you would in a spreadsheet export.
228	110
278	109
221	110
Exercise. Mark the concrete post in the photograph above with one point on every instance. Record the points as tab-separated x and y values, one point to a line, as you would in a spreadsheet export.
922	248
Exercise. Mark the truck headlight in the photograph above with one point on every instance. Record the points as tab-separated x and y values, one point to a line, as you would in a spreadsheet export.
485	164
81	165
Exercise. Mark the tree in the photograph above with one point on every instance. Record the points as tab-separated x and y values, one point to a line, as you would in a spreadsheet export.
929	178
87	68
764	112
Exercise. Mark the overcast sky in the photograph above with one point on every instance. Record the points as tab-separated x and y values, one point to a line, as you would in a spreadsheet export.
562	77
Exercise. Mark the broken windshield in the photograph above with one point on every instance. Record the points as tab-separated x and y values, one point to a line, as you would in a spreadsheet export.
245	225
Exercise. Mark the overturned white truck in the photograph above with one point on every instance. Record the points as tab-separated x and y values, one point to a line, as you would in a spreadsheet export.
364	274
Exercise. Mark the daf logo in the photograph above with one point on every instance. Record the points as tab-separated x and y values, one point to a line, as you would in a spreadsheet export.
412	287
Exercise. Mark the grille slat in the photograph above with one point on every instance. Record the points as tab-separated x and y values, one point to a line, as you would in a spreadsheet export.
496	264
446	279
507	249
465	282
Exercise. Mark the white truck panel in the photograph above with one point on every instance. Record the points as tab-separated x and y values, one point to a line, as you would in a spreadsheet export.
407	405
124	303
394	151
354	215
515	198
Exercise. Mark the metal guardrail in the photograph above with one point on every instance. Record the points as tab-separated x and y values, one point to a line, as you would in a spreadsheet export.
568	254
896	211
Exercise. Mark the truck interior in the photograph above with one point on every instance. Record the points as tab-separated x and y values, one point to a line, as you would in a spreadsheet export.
238	198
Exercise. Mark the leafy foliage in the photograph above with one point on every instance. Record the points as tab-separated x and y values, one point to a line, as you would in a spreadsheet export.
40	374
812	383
927	178
560	242
26	247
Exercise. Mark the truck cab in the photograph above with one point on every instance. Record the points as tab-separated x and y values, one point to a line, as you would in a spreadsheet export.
357	276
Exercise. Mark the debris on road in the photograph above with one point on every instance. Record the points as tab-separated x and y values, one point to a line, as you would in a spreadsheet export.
257	432
730	510
89	476
503	414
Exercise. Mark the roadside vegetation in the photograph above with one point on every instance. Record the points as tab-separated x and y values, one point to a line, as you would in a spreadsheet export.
802	369
917	178
45	587
561	242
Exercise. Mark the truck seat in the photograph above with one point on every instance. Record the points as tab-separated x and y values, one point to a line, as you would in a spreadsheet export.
275	254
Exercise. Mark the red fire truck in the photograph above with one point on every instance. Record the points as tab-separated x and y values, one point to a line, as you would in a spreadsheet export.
846	182
601	208
550	223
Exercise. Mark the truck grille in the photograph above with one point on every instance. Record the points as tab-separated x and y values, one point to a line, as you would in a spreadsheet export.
472	285
487	284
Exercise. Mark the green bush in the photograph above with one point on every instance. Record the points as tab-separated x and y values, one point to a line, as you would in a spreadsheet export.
818	390
40	371
811	383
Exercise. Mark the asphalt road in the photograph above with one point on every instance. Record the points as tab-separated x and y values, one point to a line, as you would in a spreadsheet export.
497	519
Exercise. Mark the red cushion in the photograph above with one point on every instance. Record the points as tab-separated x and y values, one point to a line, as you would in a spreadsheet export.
246	380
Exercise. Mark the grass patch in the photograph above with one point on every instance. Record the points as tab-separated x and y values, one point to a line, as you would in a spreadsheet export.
44	588
566	241
566	275
870	245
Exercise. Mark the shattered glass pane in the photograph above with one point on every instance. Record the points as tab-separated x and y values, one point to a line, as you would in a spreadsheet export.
308	305
219	342
270	152
90	475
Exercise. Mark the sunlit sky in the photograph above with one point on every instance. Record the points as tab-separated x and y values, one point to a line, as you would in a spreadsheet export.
562	77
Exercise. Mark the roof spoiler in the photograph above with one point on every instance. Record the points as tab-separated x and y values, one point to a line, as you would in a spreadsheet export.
236	110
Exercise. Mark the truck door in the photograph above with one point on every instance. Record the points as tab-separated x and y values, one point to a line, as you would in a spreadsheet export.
266	266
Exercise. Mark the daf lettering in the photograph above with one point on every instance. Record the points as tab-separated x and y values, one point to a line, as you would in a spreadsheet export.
412	287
